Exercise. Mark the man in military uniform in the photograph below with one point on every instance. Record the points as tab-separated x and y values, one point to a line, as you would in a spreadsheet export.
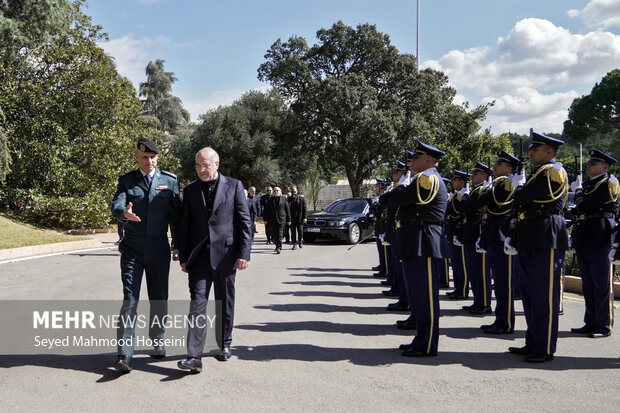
497	203
379	228
455	246
419	231
595	212
476	261
542	241
146	202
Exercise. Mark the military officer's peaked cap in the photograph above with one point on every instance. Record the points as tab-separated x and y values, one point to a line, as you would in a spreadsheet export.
540	139
596	155
399	166
146	145
424	149
382	182
446	180
460	174
504	156
479	166
410	154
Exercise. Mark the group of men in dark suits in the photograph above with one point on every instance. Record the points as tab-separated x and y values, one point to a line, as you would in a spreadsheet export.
512	229
211	236
282	214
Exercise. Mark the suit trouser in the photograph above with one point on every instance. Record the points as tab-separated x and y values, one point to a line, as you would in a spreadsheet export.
268	231
138	257
277	233
297	232
459	270
597	281
540	272
381	251
478	276
502	265
423	289
201	277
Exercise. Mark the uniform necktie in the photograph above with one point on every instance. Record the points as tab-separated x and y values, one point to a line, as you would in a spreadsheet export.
149	179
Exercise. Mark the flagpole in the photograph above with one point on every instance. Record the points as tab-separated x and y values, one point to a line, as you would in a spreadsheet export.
417	46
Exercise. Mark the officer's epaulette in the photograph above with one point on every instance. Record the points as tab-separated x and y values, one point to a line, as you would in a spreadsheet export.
169	174
127	174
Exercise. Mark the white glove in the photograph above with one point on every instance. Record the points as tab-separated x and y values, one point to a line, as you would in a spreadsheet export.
478	247
456	241
518	179
450	196
509	249
405	179
486	184
576	186
464	190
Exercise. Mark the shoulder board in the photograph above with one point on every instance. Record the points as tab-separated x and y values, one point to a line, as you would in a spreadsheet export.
558	165
169	174
557	174
428	172
613	180
426	179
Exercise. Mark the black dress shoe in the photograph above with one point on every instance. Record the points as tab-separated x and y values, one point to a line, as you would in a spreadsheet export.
487	326
376	268
416	353
457	297
538	358
386	282
124	364
300	246
294	247
480	310
469	307
582	330
225	354
192	364
600	333
405	346
522	351
444	285
407	325
397	307
390	293
278	250
496	330
159	352
380	275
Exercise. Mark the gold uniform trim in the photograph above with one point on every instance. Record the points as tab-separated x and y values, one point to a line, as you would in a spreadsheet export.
550	311
429	270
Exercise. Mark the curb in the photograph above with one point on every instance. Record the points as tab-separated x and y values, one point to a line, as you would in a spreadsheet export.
34	250
572	284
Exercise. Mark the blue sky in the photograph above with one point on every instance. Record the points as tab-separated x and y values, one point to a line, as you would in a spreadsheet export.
531	57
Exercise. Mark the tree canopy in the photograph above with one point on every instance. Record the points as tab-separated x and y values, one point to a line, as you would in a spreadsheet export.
360	102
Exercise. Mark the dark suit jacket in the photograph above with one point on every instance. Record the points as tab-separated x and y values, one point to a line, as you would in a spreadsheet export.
228	231
277	211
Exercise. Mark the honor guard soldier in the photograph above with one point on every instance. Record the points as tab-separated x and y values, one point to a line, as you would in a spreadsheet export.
595	213
146	202
460	184
497	202
542	241
444	268
419	232
476	261
379	224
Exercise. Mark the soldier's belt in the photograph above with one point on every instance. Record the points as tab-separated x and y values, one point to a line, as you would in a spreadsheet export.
419	222
537	213
595	215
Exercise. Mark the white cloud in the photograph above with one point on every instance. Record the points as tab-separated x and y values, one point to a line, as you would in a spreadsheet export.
537	64
599	13
131	55
197	106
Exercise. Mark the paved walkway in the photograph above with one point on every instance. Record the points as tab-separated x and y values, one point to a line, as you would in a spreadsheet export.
311	334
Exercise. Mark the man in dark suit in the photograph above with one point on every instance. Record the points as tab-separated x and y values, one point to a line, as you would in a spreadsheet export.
215	238
277	215
297	207
146	202
263	203
253	212
256	202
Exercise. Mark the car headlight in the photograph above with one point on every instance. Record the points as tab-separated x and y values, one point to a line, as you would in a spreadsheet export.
341	223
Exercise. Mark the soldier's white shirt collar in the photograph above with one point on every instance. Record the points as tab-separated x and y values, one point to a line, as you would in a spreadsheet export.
152	173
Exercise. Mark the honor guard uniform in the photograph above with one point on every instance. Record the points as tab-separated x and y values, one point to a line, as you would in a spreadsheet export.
379	226
542	240
154	198
444	268
595	220
419	232
497	214
456	251
396	272
475	261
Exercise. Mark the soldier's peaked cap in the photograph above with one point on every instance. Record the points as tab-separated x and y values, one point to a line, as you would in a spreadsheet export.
460	174
540	139
504	156
424	149
146	145
479	166
597	155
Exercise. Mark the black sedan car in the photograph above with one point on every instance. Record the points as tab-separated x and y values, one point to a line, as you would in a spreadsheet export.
348	219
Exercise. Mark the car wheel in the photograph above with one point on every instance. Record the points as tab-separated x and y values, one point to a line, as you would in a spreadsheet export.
354	233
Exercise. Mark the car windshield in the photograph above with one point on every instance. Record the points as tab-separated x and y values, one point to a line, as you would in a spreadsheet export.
348	205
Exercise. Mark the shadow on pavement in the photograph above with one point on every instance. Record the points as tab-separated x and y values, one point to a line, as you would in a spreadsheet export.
365	330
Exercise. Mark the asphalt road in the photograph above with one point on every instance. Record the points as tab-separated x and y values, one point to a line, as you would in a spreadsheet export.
312	334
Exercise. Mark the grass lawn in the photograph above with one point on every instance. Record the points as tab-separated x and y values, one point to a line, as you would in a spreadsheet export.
14	234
